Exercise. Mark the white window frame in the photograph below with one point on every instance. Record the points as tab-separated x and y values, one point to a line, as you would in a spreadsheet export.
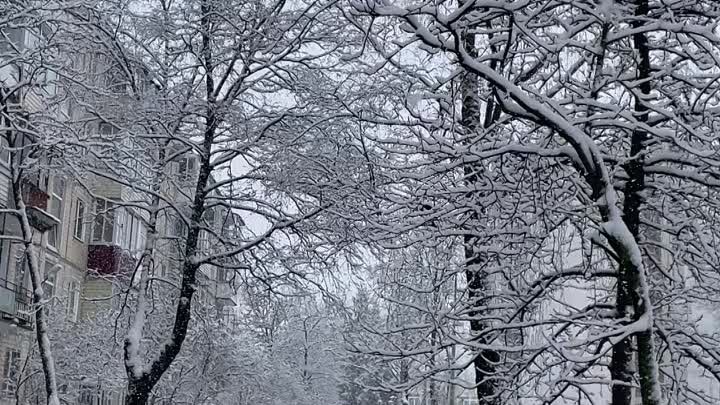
204	242
5	155
141	237
228	314
191	168
50	280
176	226
56	231
79	229
104	217
119	226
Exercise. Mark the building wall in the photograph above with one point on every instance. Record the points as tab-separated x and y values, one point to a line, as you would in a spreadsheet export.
12	340
95	288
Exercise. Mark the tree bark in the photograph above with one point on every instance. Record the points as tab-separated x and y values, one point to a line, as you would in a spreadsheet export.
485	360
140	386
474	120
630	303
36	279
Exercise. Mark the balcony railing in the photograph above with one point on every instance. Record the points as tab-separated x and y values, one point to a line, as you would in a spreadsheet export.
16	303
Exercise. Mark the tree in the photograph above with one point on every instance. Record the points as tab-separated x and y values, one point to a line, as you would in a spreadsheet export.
363	377
553	70
208	68
30	105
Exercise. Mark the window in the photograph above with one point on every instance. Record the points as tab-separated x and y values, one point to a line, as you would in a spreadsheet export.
4	152
47	80
225	275
204	242
40	179
231	225
209	218
88	394
187	168
104	221
415	401
228	315
134	224
12	39
11	371
121	228
176	226
20	266
141	237
56	209
106	398
79	233
49	283
73	304
106	128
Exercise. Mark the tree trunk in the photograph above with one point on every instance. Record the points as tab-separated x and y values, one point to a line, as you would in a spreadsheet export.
140	386
629	285
485	360
36	279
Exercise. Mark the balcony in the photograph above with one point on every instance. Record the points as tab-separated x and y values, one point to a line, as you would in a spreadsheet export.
16	304
108	259
36	202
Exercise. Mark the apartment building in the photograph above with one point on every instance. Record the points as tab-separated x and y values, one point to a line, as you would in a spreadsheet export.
89	233
56	208
119	234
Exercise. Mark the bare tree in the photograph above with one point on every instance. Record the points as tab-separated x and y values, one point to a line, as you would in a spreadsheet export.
574	94
226	86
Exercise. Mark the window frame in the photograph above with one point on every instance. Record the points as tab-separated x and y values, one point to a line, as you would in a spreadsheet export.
56	231
11	370
5	155
8	36
188	167
228	314
104	217
21	273
79	221
72	309
50	280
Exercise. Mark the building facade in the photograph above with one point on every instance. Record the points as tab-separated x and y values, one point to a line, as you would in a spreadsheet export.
89	232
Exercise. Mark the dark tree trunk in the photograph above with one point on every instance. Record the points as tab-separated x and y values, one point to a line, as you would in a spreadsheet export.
485	360
140	387
628	283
